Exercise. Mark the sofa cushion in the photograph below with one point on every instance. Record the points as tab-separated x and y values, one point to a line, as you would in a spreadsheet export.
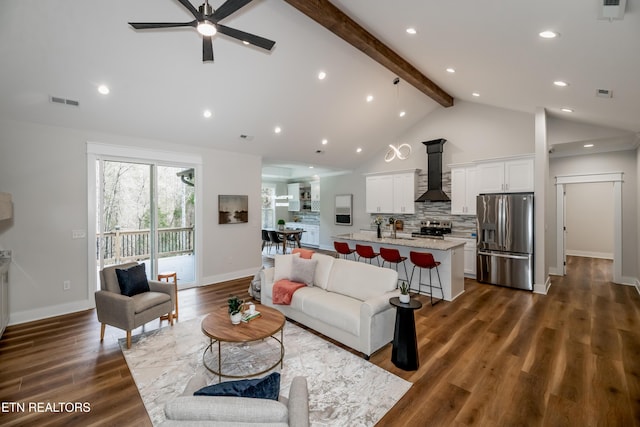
283	265
361	281
260	388
335	310
303	270
323	270
132	280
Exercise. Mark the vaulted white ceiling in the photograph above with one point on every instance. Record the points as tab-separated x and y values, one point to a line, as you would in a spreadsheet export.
160	86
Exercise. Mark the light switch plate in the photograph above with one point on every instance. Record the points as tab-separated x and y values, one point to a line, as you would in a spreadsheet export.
78	234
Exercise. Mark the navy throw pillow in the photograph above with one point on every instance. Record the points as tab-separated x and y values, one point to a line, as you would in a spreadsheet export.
261	388
132	280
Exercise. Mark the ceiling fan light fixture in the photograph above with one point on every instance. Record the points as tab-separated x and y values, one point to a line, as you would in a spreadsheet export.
206	28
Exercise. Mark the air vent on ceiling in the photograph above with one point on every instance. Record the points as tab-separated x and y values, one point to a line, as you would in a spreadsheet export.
604	93
246	137
58	100
611	9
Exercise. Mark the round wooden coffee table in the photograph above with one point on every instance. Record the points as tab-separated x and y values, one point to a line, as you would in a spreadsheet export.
218	327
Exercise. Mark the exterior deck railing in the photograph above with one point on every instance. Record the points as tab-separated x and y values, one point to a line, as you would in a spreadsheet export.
135	245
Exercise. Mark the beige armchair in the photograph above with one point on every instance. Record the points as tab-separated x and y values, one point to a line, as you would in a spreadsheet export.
126	312
189	410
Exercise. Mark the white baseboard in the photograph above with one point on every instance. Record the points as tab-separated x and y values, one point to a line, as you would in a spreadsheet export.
589	254
542	289
637	285
629	281
228	276
555	271
51	311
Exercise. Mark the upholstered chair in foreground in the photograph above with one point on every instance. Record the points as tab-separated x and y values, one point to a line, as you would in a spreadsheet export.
127	300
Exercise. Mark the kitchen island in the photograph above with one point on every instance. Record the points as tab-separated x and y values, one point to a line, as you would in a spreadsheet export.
450	254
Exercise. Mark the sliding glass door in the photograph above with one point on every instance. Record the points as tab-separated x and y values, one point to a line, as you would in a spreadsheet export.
145	212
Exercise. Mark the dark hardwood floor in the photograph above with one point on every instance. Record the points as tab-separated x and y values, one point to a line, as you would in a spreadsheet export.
493	357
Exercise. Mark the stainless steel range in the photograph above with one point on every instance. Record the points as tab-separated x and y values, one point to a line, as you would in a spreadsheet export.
433	229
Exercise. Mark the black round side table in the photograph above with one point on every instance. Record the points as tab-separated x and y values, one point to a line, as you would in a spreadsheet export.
405	348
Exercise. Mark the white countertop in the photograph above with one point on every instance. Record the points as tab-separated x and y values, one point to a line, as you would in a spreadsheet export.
413	242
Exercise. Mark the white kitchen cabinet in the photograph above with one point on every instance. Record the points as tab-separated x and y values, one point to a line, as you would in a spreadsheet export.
313	235
293	191
379	194
404	197
469	255
508	176
393	193
463	190
315	196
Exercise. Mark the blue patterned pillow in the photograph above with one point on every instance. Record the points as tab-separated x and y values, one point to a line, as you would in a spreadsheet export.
261	388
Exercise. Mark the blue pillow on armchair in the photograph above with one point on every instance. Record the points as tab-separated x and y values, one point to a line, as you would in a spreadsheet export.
261	388
132	280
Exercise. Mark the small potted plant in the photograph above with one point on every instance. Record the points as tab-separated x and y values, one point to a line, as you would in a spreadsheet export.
235	309
404	292
281	224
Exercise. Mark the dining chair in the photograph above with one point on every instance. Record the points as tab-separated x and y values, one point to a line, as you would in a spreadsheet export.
265	240
275	239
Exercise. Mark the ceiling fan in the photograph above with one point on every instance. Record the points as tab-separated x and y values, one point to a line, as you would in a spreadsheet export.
206	23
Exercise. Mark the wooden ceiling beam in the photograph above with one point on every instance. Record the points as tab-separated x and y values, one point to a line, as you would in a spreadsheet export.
336	21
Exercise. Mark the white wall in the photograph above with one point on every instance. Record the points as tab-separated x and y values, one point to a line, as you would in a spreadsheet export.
45	170
589	219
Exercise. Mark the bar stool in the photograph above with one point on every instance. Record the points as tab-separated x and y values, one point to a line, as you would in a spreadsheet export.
343	249
165	277
392	256
425	260
365	251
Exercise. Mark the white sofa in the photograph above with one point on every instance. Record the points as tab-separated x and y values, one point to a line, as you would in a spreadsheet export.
349	301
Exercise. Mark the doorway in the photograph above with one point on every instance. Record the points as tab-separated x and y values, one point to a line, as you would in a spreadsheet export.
561	182
143	210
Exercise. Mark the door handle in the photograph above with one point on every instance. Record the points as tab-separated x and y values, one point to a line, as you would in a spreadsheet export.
522	257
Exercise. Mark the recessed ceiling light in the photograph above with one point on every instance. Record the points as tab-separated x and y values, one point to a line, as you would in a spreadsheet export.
207	113
476	94
103	89
567	110
588	145
411	31
560	83
402	113
451	70
277	129
310	167
548	34
245	42
325	142
359	150
369	98
322	75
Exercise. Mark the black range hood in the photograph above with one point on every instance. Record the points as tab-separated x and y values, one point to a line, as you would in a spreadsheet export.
434	172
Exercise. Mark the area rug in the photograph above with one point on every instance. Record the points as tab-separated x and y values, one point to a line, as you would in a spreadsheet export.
344	389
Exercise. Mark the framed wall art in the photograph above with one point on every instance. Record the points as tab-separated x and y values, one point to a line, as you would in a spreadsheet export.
233	209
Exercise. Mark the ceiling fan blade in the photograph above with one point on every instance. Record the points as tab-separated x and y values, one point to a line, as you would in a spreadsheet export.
150	25
207	49
196	14
246	37
228	7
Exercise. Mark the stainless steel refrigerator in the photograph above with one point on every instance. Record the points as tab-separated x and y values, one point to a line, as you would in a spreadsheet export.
505	239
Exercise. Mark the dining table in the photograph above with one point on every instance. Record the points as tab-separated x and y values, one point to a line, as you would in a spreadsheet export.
284	236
